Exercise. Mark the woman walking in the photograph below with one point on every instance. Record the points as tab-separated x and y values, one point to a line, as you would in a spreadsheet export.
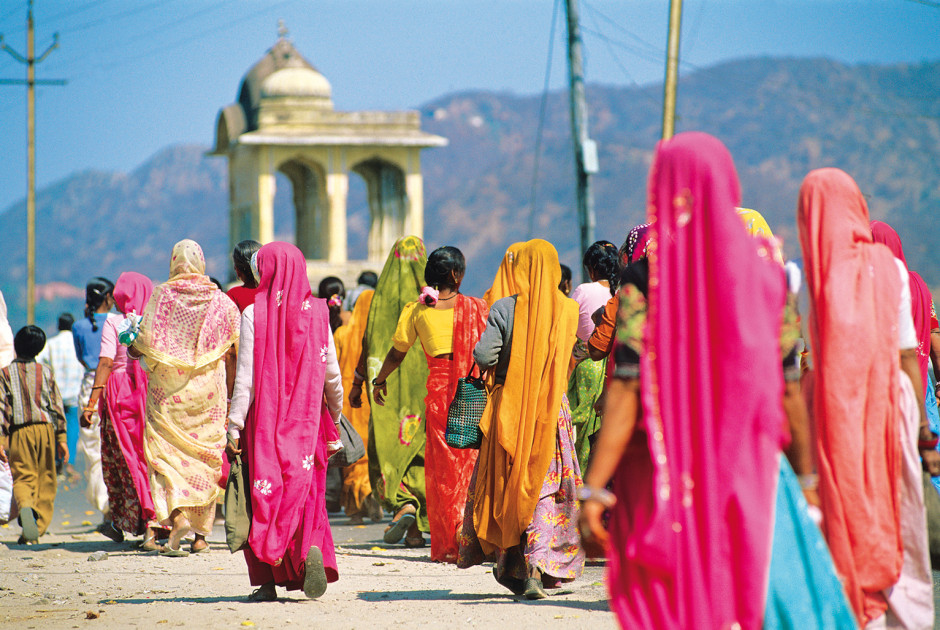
522	502
288	397
356	497
187	339
86	333
120	395
866	424
397	428
244	294
601	261
449	325
691	440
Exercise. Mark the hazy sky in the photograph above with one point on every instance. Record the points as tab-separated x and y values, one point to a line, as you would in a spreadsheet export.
144	74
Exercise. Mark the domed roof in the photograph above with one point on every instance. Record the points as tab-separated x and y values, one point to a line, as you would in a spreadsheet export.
282	56
296	82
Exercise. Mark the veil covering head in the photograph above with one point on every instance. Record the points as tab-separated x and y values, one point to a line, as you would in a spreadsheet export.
691	535
188	322
132	292
521	427
503	284
854	290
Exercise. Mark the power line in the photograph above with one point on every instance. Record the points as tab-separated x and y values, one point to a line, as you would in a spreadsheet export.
656	50
623	68
927	3
538	132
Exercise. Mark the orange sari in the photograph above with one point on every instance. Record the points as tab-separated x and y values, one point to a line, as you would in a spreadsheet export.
348	340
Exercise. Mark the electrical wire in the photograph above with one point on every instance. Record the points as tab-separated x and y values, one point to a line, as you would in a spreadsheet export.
538	132
927	3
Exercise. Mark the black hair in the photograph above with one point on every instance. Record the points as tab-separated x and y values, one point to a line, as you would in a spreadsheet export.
330	286
65	321
443	264
565	278
602	260
368	278
241	258
29	341
216	282
96	292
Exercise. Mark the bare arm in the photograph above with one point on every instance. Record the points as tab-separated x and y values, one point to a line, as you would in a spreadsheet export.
355	392
102	372
621	411
800	451
231	362
392	360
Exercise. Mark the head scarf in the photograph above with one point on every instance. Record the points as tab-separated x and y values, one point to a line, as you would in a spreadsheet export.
637	243
520	425
399	427
755	223
854	289
188	323
921	300
291	336
692	532
503	283
132	292
7	353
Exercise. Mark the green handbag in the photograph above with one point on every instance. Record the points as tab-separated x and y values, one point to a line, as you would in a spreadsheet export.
237	506
465	412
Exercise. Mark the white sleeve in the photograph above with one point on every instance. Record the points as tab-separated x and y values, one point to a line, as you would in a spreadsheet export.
244	391
333	383
907	335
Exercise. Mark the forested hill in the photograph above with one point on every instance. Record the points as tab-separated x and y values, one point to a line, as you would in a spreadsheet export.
779	117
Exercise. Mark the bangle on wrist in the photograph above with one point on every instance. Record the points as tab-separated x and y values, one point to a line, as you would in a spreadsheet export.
376	383
359	375
809	482
602	496
97	387
926	445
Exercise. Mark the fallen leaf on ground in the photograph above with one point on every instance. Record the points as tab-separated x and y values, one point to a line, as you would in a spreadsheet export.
378	564
360	526
218	568
249	624
376	549
89	512
66	523
86	522
90	614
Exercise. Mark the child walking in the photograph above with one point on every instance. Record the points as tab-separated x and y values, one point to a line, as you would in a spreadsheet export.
34	420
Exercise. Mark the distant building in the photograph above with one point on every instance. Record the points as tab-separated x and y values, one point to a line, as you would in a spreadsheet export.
284	121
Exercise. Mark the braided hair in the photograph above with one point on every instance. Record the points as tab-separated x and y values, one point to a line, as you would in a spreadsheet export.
96	292
602	261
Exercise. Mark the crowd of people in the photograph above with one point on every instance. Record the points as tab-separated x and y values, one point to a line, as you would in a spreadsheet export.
737	465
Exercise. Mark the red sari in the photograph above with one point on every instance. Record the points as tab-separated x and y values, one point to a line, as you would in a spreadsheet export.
448	470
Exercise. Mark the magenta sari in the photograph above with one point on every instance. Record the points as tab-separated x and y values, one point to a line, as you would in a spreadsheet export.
125	406
691	532
284	443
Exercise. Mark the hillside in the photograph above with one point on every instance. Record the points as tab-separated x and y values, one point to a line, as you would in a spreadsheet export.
779	117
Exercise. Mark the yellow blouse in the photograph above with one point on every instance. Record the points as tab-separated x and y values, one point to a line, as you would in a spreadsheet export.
435	328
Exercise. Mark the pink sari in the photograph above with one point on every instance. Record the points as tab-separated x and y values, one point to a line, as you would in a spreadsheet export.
284	442
125	399
854	290
691	532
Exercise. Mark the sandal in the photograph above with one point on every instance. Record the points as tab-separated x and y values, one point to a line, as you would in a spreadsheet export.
395	531
533	589
263	594
314	573
169	552
200	550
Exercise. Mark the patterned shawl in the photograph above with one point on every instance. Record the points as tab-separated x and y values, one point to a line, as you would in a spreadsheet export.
188	322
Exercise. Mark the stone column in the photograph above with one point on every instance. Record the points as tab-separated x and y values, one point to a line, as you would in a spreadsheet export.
414	193
267	186
337	189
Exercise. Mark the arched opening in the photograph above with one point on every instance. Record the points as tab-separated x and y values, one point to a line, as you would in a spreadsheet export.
388	203
357	218
300	186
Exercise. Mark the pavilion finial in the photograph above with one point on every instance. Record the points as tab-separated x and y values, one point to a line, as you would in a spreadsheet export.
282	31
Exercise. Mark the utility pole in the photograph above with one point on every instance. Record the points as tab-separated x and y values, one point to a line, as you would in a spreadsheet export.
585	149
672	69
30	60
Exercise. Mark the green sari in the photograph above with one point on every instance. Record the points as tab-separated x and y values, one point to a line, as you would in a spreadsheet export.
397	429
584	388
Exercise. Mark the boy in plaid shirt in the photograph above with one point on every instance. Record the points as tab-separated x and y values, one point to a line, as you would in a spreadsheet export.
34	420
